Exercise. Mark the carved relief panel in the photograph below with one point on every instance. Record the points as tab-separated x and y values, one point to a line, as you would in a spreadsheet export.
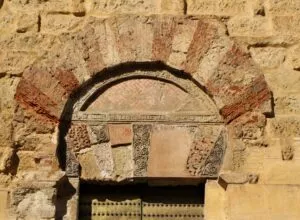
145	124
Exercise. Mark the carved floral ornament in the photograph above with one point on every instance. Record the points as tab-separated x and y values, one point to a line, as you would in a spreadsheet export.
181	77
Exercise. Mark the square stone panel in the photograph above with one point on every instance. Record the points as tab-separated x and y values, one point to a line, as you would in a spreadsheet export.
169	150
120	134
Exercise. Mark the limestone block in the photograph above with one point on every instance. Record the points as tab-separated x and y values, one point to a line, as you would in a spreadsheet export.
268	57
285	126
36	5
234	177
294	57
4	195
123	162
284	7
28	22
217	7
277	171
7	109
8	21
214	201
78	7
26	161
201	7
15	62
262	202
34	42
6	159
123	6
104	157
37	205
258	26
172	6
89	166
232	7
58	23
286	25
284	82
287	104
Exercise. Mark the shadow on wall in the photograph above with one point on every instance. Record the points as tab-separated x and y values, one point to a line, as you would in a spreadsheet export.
66	117
65	191
1	3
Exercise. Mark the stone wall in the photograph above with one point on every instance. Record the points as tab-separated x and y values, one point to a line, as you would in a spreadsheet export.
48	50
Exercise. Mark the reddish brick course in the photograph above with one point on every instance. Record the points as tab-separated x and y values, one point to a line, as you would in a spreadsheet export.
164	30
202	40
45	92
253	97
32	98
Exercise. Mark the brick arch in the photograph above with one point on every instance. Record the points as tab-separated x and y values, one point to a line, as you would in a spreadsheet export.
197	46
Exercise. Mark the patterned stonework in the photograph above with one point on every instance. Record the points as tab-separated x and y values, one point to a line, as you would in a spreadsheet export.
78	137
207	152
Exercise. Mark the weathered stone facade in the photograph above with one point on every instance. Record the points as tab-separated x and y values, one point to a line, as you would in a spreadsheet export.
127	90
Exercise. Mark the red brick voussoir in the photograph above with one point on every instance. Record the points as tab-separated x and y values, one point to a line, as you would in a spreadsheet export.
31	97
254	96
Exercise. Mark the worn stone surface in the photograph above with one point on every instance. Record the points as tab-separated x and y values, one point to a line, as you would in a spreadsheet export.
262	201
202	159
237	55
123	162
120	134
104	159
141	145
169	148
4	195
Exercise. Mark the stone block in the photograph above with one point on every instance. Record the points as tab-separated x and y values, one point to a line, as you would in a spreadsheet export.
262	202
214	201
234	177
201	7
89	166
141	145
15	62
258	7
26	161
258	26
28	22
120	134
118	7
169	150
294	57
277	171
216	7
286	25
232	7
123	162
172	6
268	57
288	126
104	158
58	23
287	103
37	205
284	7
4	196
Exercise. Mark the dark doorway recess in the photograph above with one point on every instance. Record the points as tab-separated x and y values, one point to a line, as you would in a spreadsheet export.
141	202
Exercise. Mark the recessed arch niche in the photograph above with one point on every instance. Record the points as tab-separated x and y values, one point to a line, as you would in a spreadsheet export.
145	122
